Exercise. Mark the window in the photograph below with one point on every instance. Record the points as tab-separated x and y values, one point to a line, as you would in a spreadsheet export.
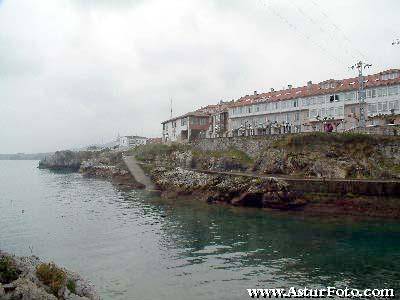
333	98
350	96
394	105
249	109
297	116
369	93
372	108
257	108
384	106
174	124
382	92
388	76
331	112
295	103
203	121
313	100
392	90
373	93
183	122
313	113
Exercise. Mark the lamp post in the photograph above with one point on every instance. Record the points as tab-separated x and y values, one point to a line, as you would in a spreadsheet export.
360	66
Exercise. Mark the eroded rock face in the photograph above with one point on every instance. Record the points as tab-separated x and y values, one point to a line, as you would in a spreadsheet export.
234	190
64	160
28	286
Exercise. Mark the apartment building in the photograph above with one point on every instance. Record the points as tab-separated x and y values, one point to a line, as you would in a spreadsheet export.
131	141
186	127
331	105
207	122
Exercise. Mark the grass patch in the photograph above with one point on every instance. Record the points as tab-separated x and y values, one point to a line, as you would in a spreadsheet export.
71	286
51	276
151	151
8	270
320	138
232	153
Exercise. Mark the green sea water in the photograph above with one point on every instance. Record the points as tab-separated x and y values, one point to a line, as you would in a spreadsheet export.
134	245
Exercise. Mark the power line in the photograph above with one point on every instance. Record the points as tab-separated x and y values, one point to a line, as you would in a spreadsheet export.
325	32
292	26
338	29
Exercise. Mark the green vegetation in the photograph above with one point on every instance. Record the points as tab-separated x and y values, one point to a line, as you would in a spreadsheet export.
51	276
232	153
320	138
151	151
8	270
71	286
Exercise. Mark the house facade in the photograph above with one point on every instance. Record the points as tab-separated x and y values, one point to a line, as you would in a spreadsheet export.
131	141
185	128
332	105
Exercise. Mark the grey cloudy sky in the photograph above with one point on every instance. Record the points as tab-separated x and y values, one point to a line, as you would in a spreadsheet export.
76	72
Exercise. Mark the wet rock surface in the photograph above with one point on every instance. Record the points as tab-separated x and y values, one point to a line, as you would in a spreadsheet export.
234	190
24	278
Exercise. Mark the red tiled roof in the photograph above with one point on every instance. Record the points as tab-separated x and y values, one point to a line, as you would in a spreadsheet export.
316	89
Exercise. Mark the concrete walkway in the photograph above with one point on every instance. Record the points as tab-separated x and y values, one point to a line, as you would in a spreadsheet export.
138	173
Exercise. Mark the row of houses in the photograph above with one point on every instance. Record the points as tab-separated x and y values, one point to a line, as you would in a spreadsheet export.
331	105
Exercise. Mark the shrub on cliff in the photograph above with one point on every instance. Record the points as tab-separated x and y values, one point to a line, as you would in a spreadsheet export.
51	276
8	270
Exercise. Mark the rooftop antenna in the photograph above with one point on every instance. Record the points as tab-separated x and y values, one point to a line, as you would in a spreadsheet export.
171	107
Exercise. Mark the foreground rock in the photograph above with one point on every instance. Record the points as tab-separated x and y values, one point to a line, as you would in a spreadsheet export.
234	190
30	278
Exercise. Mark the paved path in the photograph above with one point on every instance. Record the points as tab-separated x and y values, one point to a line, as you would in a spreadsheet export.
138	173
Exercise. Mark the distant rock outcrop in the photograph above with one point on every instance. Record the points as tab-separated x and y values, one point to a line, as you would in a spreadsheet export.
65	160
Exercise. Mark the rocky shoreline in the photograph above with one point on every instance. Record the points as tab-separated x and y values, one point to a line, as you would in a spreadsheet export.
30	278
99	164
234	190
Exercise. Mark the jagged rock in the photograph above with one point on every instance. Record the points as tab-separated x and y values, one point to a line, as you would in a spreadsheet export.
28	285
60	160
232	189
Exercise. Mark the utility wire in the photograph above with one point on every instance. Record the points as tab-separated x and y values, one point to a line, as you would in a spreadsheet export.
338	29
324	31
292	26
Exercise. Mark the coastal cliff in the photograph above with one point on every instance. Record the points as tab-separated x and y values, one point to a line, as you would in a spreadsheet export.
351	174
30	278
105	164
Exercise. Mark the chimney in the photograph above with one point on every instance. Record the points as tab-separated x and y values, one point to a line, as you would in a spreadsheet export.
309	84
255	93
272	90
289	86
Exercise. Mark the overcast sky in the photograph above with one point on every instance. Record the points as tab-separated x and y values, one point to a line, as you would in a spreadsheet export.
77	72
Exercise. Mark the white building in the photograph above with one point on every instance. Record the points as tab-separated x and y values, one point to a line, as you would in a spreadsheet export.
131	141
